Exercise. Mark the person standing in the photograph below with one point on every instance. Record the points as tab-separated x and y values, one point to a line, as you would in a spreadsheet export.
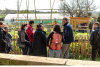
56	37
95	40
55	22
30	34
23	37
3	43
68	36
8	38
39	47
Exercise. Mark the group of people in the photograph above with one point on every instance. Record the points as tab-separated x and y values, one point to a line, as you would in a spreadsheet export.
36	43
5	39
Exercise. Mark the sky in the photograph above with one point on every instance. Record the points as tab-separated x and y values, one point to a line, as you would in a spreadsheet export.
40	4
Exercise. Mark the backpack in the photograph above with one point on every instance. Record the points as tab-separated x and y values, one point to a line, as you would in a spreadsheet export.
56	41
98	39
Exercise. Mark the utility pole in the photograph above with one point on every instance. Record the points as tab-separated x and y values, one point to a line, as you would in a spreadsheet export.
18	12
5	5
76	17
87	18
51	11
35	12
27	5
64	7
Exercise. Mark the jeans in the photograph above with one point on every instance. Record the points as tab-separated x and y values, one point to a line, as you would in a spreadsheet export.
25	50
65	51
56	52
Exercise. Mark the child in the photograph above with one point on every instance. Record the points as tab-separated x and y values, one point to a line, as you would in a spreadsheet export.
8	38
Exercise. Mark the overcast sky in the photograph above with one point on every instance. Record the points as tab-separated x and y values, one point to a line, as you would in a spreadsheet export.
40	4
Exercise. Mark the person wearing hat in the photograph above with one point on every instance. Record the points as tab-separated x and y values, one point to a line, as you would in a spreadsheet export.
68	36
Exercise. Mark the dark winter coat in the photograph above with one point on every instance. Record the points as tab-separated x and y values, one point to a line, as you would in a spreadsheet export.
93	37
39	46
24	38
8	38
3	43
68	33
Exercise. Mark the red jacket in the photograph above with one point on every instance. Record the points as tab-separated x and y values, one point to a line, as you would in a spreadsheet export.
30	33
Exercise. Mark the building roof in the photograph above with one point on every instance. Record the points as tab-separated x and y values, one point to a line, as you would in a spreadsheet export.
32	16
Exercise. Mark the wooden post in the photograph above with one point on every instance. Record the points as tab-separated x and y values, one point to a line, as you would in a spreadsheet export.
78	45
85	47
16	46
75	47
91	49
72	24
11	51
19	51
48	51
82	45
88	46
72	47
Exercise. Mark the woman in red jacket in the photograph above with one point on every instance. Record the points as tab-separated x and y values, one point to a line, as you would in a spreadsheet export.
30	34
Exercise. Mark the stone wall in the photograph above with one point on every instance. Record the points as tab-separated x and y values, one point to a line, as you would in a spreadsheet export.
11	59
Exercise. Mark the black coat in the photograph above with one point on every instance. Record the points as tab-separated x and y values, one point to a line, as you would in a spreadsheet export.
68	33
39	46
93	37
3	42
24	38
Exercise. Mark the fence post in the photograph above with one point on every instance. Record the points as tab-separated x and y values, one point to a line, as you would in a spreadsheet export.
91	49
88	45
78	45
16	46
85	46
82	45
19	51
72	49
11	51
75	47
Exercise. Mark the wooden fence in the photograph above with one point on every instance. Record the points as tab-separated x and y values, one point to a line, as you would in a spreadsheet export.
81	46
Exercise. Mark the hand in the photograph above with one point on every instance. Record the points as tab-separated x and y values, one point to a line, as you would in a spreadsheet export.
47	48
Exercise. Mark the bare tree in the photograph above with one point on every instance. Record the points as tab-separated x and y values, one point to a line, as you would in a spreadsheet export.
80	5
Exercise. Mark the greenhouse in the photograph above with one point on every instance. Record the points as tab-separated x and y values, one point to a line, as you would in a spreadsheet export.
12	18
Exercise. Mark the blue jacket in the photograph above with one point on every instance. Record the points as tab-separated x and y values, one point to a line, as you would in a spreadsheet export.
68	33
